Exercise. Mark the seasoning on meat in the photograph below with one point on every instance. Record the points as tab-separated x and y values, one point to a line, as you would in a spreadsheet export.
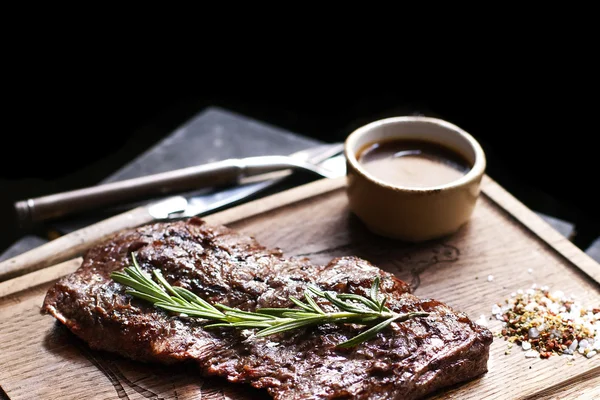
407	360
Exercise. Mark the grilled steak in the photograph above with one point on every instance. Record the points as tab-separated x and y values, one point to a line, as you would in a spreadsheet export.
407	360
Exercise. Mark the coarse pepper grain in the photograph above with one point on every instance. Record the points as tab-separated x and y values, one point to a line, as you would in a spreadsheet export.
546	323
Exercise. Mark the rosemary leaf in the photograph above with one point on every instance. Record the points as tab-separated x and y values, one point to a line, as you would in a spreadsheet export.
382	306
316	291
248	316
127	281
166	284
367	302
192	312
344	305
368	334
277	312
192	298
286	326
300	304
143	296
375	290
313	303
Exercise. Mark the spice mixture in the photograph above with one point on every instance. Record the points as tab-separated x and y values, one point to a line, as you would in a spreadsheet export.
546	323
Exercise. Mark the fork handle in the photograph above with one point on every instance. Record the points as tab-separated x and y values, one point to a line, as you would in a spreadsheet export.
71	202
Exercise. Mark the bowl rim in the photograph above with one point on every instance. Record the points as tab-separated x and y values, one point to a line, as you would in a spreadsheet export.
474	174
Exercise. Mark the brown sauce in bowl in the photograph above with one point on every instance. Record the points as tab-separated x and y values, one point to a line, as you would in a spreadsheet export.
412	163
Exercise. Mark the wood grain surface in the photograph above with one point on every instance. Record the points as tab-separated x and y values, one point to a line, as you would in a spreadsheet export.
40	359
71	245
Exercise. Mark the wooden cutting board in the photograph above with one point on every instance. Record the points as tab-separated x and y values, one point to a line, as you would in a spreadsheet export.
40	359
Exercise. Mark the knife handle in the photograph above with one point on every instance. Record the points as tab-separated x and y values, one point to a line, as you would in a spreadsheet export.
73	244
62	204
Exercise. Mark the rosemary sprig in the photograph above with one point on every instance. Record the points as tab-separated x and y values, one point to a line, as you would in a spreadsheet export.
370	311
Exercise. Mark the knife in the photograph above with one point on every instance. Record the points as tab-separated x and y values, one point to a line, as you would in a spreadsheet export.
176	207
216	174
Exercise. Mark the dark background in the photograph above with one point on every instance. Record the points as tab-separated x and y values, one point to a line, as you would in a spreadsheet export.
73	129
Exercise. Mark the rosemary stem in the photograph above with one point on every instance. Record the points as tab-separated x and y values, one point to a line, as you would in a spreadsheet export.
352	308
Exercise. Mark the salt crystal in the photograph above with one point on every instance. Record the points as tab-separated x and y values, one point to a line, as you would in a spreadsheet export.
591	354
530	292
526	346
247	333
558	294
531	306
583	344
544	288
533	333
513	294
490	278
541	327
573	345
534	286
597	344
481	320
496	309
532	354
520	291
530	270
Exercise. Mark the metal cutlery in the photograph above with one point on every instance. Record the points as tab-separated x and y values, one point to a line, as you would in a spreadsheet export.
216	174
75	243
203	204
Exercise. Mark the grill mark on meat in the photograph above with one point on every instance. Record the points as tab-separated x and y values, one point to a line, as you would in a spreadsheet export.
407	360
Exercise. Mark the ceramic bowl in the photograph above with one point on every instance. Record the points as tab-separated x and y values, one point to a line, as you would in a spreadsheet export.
413	214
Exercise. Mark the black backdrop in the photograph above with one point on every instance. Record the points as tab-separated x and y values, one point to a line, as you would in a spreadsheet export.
539	135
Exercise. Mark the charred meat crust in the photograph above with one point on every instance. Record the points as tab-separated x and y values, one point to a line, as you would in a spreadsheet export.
408	360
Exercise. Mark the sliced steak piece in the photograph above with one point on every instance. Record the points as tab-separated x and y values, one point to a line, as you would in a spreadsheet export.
407	360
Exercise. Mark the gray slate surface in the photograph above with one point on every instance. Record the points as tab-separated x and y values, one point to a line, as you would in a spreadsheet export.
564	227
594	250
213	134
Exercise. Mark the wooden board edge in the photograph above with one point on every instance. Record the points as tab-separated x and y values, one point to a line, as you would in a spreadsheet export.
545	232
275	201
36	278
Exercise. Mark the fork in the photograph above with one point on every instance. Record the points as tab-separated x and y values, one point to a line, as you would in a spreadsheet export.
77	242
216	174
326	160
